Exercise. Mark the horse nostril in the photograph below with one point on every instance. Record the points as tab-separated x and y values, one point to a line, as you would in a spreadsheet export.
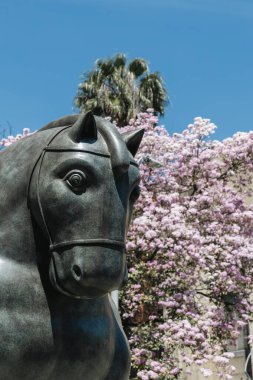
77	272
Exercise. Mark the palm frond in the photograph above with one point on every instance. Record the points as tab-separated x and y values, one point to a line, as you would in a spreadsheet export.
138	67
119	60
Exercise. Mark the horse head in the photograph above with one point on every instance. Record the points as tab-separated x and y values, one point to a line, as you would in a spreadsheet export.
81	193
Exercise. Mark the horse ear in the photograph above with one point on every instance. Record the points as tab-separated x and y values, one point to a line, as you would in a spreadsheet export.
84	128
133	140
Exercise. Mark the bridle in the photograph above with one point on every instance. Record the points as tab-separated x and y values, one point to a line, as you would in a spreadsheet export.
54	148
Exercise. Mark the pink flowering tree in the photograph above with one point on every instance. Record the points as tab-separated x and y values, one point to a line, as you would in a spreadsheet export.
190	251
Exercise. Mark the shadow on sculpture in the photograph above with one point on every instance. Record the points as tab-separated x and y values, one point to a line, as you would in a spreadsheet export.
67	194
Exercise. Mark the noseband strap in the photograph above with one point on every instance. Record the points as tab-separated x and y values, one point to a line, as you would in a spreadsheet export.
87	242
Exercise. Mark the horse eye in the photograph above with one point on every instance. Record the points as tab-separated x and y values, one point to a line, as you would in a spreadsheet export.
76	180
135	193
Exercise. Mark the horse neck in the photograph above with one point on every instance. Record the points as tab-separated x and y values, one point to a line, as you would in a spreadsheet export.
16	229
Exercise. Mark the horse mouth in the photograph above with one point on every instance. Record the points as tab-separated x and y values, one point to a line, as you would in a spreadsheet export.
87	273
55	282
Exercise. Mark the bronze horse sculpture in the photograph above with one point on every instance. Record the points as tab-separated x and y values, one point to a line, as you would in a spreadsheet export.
67	193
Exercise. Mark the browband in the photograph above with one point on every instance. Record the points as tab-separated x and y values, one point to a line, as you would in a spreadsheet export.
95	152
63	149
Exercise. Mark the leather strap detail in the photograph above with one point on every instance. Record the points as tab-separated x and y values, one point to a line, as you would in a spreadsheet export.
64	149
89	242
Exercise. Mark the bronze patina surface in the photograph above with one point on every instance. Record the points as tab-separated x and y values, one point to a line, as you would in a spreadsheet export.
67	193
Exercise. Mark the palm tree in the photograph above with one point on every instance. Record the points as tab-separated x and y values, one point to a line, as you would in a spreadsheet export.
121	90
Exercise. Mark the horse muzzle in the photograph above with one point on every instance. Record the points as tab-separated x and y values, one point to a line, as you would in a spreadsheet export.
87	268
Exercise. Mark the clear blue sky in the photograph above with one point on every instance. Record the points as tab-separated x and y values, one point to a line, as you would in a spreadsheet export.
203	49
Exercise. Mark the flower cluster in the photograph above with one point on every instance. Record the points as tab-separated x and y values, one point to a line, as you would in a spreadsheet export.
5	142
190	250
